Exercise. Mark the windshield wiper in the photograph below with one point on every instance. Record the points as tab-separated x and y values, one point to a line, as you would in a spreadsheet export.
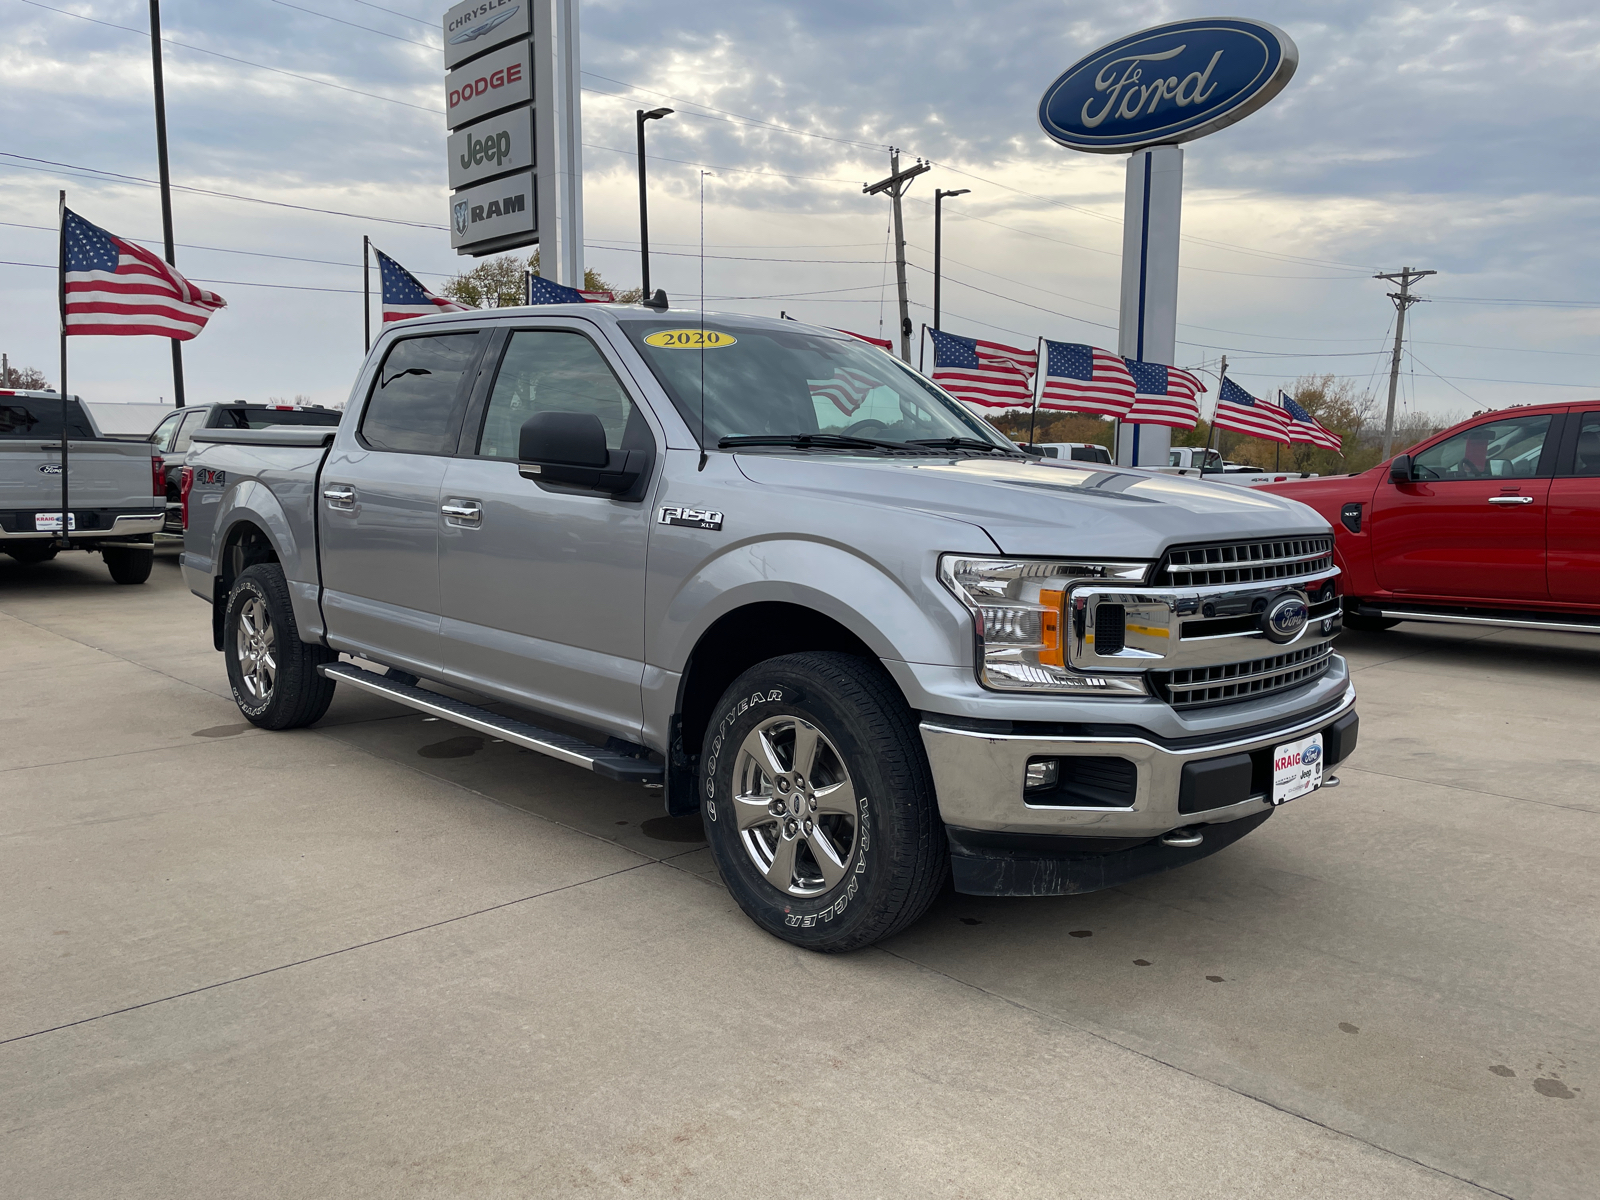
826	441
962	443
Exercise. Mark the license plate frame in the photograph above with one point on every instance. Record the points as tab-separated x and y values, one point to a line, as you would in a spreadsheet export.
1292	775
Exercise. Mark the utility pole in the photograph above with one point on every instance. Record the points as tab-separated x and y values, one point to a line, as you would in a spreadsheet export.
1403	299
166	180
938	246
896	185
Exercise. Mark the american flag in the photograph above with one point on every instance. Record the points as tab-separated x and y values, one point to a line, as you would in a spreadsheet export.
848	389
1303	427
981	372
118	289
543	291
1163	395
404	297
1241	412
1081	378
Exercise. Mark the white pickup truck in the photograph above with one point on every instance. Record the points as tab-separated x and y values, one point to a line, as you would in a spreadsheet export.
112	486
1199	461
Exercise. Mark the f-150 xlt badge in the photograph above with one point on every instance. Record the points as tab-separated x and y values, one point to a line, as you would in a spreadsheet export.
691	518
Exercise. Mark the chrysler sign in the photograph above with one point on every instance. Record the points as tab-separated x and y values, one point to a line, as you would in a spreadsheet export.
479	25
1170	84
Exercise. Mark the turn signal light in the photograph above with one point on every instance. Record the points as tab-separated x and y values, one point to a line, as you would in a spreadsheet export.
185	483
1050	627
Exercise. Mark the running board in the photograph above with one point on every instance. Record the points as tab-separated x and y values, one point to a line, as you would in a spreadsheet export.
557	745
1400	614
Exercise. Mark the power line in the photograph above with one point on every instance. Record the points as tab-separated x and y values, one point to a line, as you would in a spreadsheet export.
353	25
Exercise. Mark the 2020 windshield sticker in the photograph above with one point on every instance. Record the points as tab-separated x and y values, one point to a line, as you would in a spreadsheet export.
690	339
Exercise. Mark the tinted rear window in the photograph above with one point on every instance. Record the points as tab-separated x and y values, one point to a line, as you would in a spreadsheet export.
260	418
35	420
417	398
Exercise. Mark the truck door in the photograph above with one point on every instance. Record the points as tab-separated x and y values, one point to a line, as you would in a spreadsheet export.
542	585
378	506
1574	527
1472	521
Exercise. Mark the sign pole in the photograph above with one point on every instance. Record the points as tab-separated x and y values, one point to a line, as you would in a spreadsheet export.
61	294
1148	329
557	108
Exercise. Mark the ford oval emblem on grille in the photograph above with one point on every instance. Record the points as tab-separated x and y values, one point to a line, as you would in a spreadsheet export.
1284	619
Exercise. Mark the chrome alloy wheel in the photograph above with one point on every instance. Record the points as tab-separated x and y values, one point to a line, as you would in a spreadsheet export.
796	806
254	643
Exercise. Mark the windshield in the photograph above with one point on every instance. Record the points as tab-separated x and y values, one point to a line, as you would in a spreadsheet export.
766	382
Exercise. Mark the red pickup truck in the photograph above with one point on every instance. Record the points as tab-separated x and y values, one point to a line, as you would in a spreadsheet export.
1495	521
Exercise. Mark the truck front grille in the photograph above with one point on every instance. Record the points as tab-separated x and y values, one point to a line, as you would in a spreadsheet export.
1197	687
1245	562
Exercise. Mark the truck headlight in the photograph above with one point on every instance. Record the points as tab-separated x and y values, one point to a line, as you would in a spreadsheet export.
1019	614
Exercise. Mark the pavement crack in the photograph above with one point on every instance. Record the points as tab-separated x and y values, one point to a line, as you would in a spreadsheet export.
300	962
1056	1019
1456	787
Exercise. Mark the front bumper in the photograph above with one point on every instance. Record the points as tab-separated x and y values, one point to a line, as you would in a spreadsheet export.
980	775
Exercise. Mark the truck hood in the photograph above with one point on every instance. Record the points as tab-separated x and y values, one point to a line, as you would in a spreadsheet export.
1044	508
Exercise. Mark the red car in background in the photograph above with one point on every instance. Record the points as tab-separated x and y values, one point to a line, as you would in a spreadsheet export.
1495	521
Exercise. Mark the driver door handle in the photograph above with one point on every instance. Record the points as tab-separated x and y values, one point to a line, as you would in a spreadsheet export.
339	493
462	512
1510	499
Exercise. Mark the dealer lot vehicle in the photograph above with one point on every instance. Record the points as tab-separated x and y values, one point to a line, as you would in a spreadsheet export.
1199	462
1494	522
781	575
1076	451
171	438
113	487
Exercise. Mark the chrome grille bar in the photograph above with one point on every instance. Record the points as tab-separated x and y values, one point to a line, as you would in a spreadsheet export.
1197	687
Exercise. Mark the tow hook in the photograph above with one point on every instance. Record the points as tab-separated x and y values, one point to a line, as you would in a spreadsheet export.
1183	839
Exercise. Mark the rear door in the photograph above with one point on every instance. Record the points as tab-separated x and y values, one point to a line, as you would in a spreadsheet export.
1574	524
542	585
379	502
1471	524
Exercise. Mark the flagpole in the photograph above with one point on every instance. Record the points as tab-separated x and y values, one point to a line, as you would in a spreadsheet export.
922	347
366	296
166	181
61	295
1212	428
1033	417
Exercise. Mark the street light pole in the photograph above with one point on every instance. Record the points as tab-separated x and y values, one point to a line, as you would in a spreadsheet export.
654	114
938	241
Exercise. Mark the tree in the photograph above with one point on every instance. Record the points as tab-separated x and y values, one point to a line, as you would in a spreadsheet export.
26	379
497	283
1053	426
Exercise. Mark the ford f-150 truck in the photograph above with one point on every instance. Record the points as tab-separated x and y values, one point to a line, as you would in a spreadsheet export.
114	487
1492	522
776	572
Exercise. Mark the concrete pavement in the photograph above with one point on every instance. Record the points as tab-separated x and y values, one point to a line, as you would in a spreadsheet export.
386	956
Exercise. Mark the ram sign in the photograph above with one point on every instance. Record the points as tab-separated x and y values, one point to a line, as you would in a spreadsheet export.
501	212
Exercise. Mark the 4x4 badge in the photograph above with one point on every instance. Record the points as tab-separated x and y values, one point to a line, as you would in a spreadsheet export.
691	518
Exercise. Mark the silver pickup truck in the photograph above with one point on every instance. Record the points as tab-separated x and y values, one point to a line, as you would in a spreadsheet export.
778	574
114	487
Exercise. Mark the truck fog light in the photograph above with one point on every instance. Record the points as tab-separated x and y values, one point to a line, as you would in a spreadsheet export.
1042	773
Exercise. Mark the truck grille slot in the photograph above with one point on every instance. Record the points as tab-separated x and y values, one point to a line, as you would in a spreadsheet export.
1197	687
1245	562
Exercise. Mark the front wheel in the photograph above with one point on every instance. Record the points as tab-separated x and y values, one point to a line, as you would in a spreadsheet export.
818	803
128	564
273	673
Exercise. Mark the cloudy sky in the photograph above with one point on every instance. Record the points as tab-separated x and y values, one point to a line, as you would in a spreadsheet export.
1452	136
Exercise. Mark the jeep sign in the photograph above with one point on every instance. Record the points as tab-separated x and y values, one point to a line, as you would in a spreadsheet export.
501	209
500	79
479	25
491	147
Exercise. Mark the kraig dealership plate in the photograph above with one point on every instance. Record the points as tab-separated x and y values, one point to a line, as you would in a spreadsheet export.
1296	768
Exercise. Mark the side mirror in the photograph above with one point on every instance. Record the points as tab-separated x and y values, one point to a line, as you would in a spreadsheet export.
1400	469
570	448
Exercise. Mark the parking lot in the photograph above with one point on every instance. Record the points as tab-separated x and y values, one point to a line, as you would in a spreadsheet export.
385	956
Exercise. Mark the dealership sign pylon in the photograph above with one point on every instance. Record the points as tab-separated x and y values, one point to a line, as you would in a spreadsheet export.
1143	95
515	153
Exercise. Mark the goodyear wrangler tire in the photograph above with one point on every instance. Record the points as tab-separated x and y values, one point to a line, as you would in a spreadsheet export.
818	802
273	673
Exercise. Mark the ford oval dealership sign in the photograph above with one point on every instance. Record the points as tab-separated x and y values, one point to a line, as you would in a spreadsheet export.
1169	84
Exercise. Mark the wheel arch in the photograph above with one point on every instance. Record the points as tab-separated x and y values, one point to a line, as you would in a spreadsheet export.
243	544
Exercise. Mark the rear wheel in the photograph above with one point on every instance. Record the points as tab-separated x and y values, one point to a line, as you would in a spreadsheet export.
32	552
128	564
273	673
818	803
